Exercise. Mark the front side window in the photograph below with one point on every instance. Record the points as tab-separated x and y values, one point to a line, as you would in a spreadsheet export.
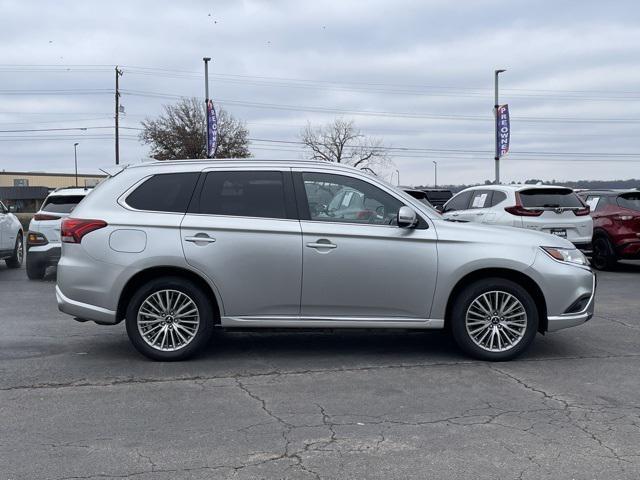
338	198
244	194
61	203
459	202
167	192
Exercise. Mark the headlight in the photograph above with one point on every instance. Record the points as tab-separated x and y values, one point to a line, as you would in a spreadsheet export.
569	255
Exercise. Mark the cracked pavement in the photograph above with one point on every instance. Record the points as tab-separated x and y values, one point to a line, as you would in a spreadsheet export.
77	401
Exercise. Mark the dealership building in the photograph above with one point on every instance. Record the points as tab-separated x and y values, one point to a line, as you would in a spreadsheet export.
27	190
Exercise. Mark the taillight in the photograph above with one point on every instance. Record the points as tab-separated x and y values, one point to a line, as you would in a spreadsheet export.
582	211
520	211
35	238
73	229
44	216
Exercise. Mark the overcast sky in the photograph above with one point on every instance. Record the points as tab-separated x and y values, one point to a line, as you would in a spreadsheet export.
417	74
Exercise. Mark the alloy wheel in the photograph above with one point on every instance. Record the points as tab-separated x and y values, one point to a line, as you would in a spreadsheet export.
496	321
168	320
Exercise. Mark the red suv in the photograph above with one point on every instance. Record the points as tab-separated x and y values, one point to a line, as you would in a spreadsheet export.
616	225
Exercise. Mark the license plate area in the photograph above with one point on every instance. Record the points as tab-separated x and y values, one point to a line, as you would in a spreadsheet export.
560	232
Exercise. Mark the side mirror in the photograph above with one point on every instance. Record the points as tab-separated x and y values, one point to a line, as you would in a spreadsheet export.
407	217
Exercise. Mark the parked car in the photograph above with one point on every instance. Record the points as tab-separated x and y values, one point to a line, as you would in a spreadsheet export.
616	223
177	248
11	238
43	238
550	209
418	195
437	196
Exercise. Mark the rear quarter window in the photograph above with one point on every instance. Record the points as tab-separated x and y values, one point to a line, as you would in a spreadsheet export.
630	201
165	192
550	198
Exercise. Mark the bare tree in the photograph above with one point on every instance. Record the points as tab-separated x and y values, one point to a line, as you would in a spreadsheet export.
341	142
179	132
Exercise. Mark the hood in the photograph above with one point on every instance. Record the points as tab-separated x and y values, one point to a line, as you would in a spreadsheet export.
496	235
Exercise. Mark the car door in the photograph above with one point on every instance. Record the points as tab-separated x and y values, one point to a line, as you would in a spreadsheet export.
242	231
362	267
456	208
479	206
5	222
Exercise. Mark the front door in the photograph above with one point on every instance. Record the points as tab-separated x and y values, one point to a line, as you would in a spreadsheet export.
242	232
5	221
356	261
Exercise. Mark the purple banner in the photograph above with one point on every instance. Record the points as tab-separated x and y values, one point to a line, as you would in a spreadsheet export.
503	136
212	130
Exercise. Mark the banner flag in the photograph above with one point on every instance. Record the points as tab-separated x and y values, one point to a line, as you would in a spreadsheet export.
212	129
504	130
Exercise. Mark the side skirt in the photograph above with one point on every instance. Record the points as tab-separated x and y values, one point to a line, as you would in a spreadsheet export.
330	322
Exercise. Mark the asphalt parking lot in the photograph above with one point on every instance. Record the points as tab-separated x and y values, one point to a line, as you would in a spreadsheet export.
77	401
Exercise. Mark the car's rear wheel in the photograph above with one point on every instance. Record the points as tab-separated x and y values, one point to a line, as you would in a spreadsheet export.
15	261
169	318
604	257
35	269
494	319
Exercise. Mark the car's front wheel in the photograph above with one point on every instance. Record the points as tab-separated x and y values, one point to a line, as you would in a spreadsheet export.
15	261
169	318
494	319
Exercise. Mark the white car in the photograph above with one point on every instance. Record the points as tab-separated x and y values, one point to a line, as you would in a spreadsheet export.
11	238
546	208
43	239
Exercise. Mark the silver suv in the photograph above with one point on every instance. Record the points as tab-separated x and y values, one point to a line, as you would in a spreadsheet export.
176	249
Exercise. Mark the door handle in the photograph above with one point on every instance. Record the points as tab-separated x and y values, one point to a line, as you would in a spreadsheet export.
200	239
322	244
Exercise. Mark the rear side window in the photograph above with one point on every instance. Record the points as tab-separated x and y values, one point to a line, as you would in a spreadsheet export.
498	197
550	198
244	194
630	201
61	203
481	199
167	192
459	202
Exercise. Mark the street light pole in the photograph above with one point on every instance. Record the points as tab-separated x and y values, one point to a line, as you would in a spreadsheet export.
398	172
435	174
495	112
75	157
206	102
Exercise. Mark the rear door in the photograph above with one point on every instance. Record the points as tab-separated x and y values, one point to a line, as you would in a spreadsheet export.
559	217
242	232
479	206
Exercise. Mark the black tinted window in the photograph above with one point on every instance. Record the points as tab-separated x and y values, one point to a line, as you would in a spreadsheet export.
481	199
498	197
630	201
167	192
459	202
244	194
549	197
61	203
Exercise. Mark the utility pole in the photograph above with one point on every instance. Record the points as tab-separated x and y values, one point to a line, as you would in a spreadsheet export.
75	157
497	138
206	102
118	75
435	174
398	172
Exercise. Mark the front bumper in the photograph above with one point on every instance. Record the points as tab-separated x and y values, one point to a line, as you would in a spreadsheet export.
84	311
566	320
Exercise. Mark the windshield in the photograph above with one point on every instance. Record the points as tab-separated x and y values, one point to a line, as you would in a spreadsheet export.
630	201
61	203
550	198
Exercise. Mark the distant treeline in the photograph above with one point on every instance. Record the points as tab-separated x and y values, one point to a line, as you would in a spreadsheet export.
590	184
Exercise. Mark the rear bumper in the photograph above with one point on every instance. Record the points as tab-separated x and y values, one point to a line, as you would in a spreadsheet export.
629	249
558	322
84	311
584	246
46	254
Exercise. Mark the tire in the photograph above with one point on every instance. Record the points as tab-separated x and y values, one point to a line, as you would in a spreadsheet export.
604	257
15	261
35	270
516	324
182	337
